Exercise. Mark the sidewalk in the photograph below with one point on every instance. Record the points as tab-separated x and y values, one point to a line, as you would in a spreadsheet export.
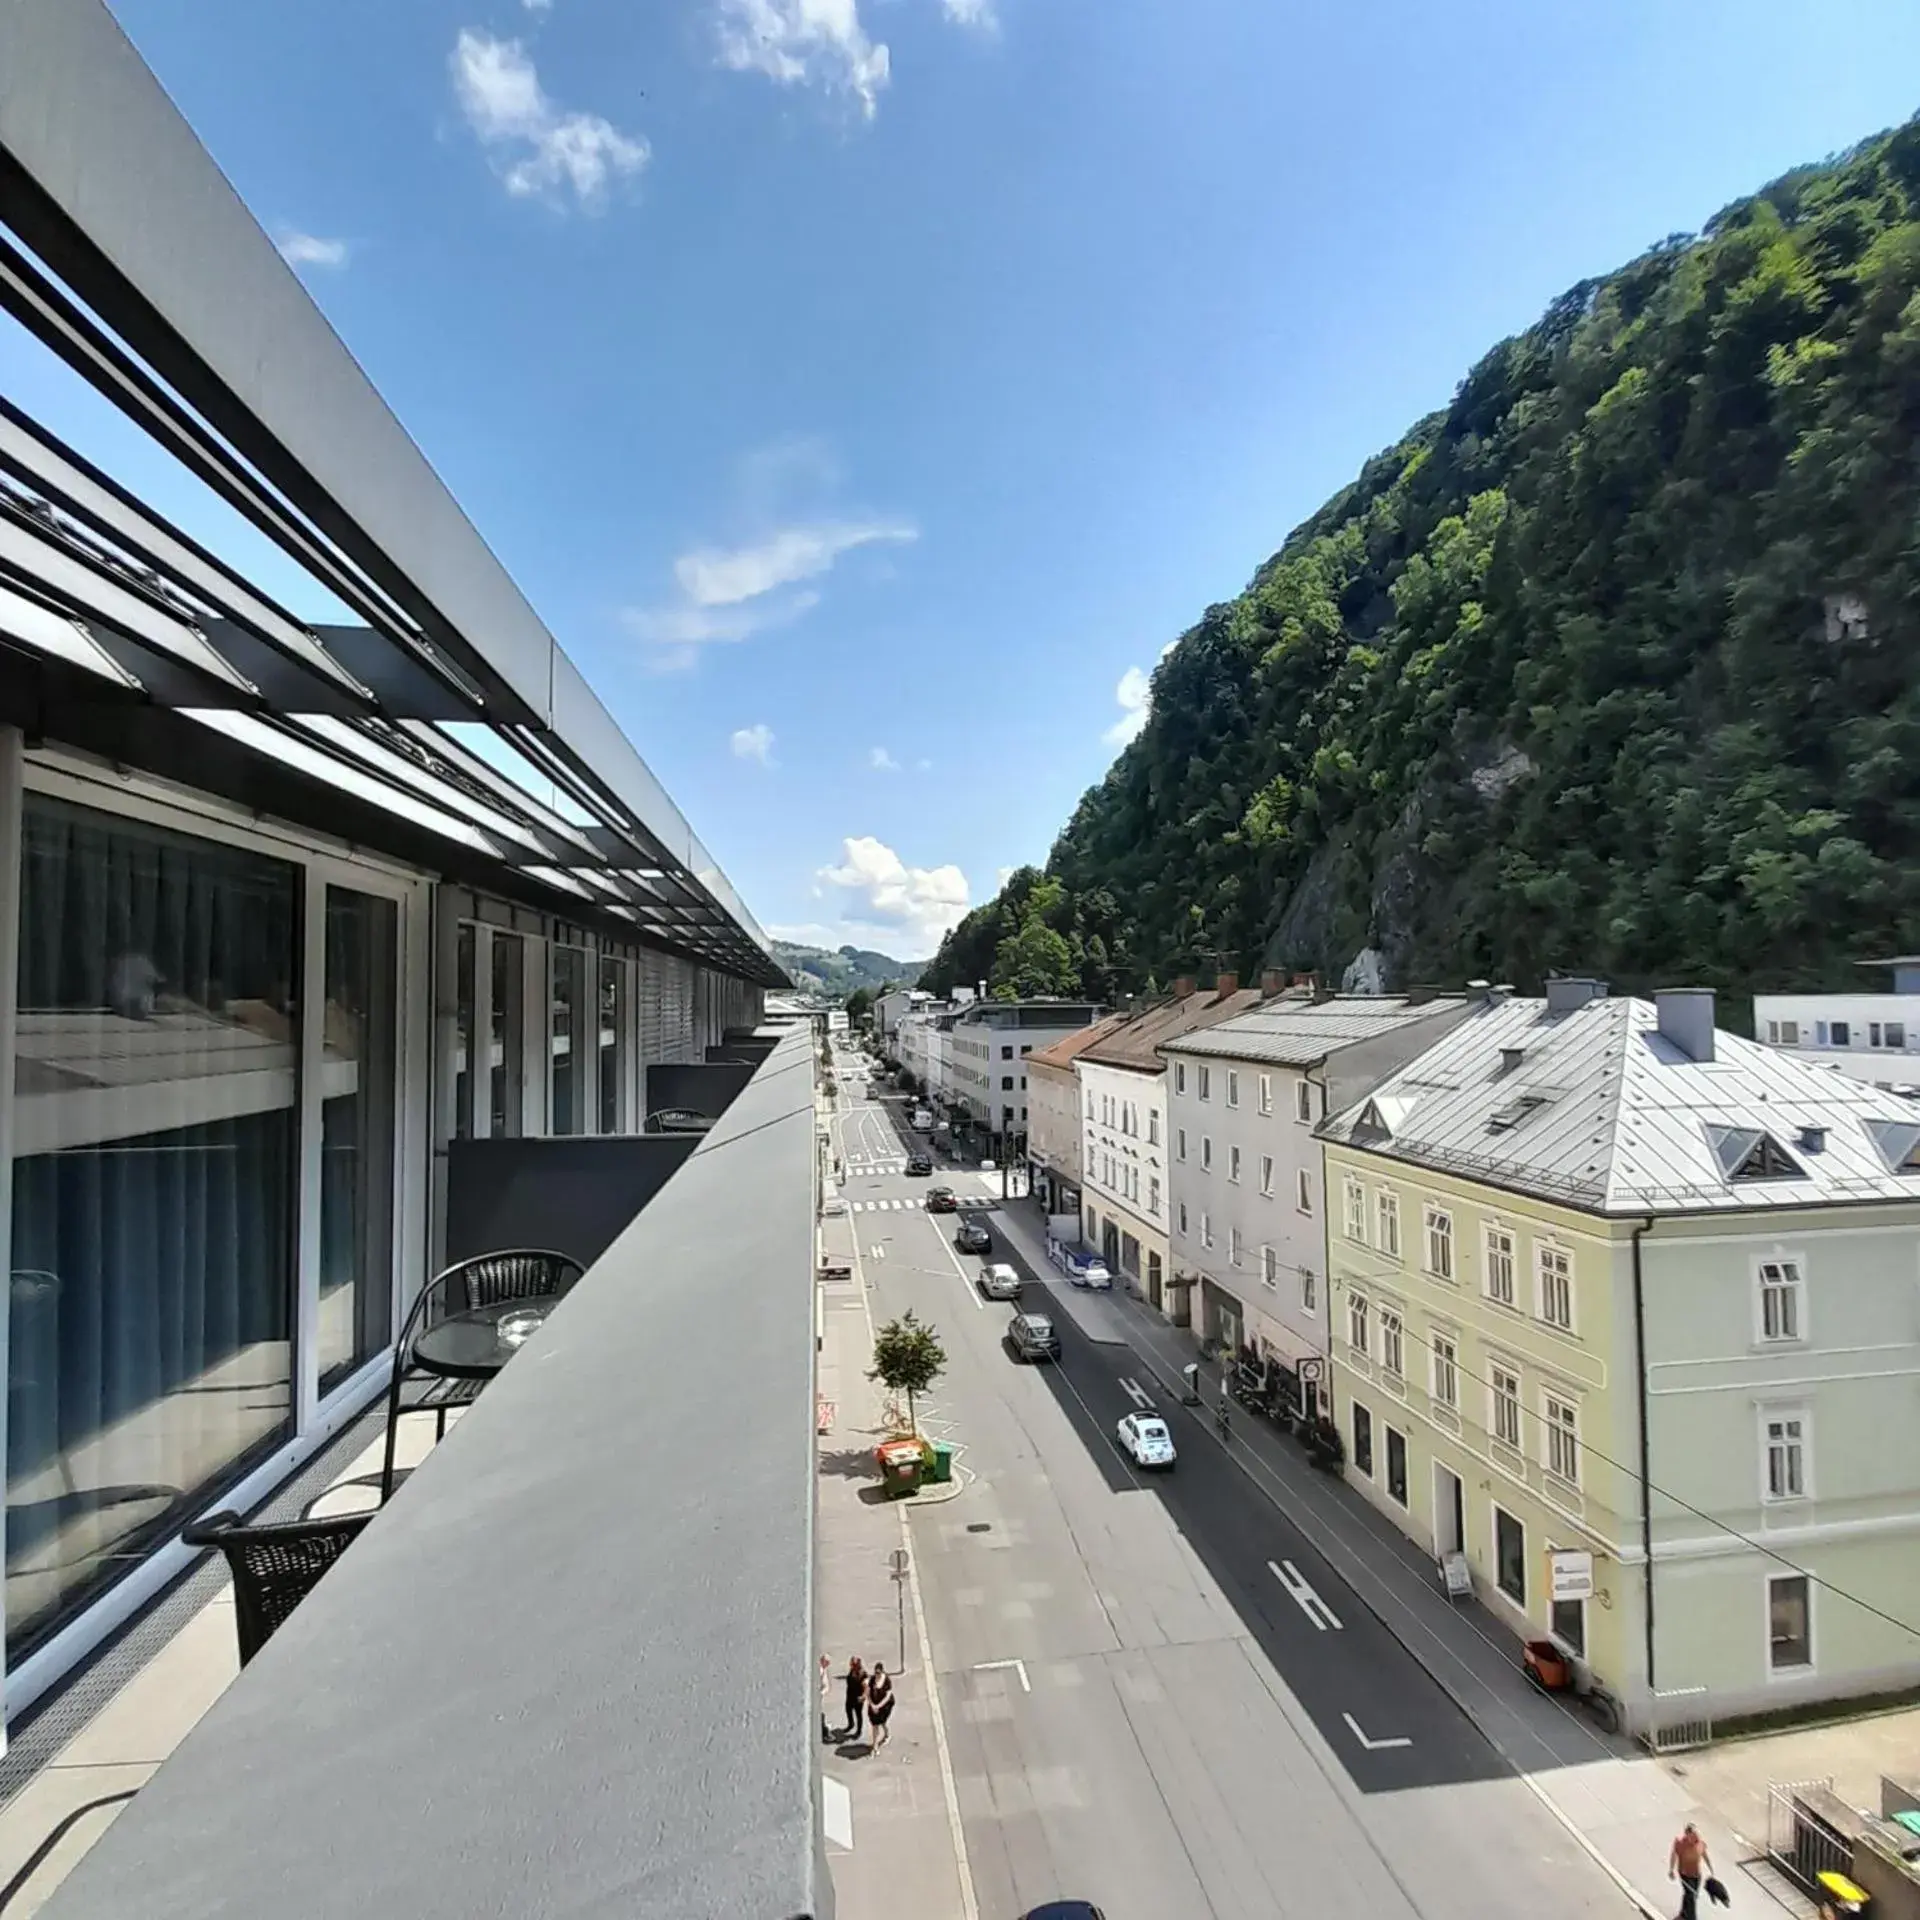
904	1858
1621	1805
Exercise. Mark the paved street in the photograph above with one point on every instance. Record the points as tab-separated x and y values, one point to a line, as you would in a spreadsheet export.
1156	1693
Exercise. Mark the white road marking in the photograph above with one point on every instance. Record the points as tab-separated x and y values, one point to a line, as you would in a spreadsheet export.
1140	1398
1375	1746
836	1811
1304	1597
876	1253
1019	1667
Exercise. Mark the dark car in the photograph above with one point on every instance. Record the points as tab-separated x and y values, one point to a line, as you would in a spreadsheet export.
918	1163
1032	1336
973	1237
1065	1910
942	1200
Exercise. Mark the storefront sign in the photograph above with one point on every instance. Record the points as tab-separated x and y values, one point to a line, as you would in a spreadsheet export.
1571	1574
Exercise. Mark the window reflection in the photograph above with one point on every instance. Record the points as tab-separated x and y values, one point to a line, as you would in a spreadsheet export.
507	1037
150	1306
464	995
613	1048
357	1067
569	1026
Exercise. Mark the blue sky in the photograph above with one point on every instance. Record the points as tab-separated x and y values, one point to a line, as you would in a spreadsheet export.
866	391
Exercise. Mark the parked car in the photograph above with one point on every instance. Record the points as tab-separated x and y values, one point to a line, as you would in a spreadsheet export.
918	1163
1146	1440
973	1236
1095	1275
1033	1337
942	1200
833	1207
998	1281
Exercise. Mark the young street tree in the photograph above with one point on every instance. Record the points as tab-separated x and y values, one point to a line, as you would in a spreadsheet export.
907	1358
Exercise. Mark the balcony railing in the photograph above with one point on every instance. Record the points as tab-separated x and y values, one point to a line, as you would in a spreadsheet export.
569	1669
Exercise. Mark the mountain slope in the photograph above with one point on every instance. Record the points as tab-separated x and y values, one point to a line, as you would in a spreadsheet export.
1611	665
839	974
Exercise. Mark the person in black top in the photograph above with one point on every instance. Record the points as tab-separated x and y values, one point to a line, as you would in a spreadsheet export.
879	1704
856	1696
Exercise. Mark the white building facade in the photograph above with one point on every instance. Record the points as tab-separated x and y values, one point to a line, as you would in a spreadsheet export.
988	1045
1248	1185
1869	1036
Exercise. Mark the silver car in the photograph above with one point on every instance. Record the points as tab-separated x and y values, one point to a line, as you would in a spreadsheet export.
998	1281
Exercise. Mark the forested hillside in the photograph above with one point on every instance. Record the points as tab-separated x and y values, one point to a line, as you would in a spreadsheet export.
1611	665
843	971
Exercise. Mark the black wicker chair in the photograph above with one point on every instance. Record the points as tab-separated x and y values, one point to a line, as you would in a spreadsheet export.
518	1273
274	1566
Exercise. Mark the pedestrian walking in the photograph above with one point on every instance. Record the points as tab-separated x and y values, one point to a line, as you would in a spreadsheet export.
879	1704
856	1684
1686	1863
826	1696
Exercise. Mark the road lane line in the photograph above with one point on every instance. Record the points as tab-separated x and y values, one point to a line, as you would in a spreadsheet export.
1136	1393
1303	1595
1019	1667
969	1906
1375	1746
946	1246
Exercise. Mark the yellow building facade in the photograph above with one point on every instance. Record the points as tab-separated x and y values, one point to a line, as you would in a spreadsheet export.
1485	1389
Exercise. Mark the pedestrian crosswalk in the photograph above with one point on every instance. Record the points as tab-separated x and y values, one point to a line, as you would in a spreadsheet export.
968	1201
860	1163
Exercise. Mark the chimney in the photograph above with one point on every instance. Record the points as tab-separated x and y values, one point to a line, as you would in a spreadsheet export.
1570	991
1272	981
1225	984
1813	1139
1183	986
1685	1019
1510	1058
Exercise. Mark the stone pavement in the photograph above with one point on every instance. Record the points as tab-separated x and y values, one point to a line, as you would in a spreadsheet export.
1622	1806
904	1819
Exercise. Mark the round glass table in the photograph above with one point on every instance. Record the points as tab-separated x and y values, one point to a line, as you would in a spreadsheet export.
476	1344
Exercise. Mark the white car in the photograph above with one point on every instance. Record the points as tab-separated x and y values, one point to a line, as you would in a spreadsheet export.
998	1281
1095	1275
833	1207
1146	1439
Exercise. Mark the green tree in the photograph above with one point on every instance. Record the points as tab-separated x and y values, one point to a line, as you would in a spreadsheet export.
1035	963
859	1005
907	1358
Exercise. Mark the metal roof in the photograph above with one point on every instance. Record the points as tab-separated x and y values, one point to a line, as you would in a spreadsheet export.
128	255
1136	1043
1596	1109
1290	1032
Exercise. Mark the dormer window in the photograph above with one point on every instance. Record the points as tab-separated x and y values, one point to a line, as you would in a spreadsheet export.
1371	1123
1898	1142
1746	1153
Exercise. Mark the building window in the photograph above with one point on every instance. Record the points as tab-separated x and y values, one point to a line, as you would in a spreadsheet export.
1556	1287
1363	1439
1392	1352
1266	1093
1206	1153
1006	1053
1786	1456
613	1040
464	994
1233	1086
1153	1126
1183	1216
155	1204
1307	1289
1789	1033
1789	1622
568	1037
1397	1464
1266	1174
1510	1556
1233	1164
1897	1035
1303	1190
1269	1266
1568	1624
1842	1032
1500	1266
1439	1243
1356	1205
1179	1076
1503	1393
1026	1050
1206	1230
1780	1315
1446	1371
1206	1083
1357	1331
1388	1215
1180	1144
1563	1439
1234	1245
1303	1101
1153	1195
507	1028
1089	1103
1006	1083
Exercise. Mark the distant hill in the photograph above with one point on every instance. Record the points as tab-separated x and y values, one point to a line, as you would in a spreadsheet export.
839	974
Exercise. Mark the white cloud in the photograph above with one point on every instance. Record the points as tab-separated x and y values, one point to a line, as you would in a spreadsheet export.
725	576
540	151
1001	876
978	14
818	43
881	761
923	766
1135	695
546	6
753	743
685	625
917	904
299	249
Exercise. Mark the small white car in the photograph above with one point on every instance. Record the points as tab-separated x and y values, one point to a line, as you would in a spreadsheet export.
833	1207
998	1281
1095	1275
1146	1440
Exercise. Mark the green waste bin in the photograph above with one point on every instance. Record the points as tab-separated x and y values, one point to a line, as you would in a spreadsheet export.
939	1468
